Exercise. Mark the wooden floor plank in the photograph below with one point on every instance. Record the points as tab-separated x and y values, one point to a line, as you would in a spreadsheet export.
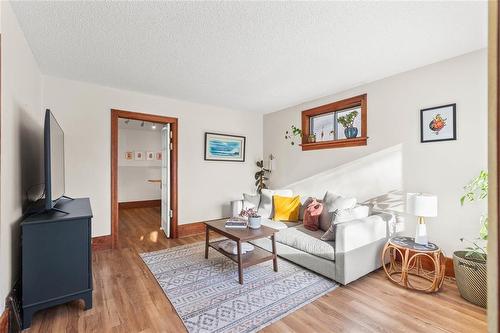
127	297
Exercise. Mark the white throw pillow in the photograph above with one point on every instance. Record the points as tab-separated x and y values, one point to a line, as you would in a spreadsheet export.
332	202
345	215
357	212
266	201
251	201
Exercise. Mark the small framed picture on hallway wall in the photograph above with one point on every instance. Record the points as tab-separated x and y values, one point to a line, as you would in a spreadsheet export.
438	123
139	156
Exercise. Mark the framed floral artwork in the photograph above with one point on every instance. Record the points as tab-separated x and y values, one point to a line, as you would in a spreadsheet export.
438	123
158	156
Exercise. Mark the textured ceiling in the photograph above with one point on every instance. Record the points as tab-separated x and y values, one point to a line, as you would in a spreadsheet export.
258	56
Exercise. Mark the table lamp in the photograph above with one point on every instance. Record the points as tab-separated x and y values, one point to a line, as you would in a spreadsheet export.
421	205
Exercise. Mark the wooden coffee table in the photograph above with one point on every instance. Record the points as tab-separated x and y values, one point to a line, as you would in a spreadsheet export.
251	258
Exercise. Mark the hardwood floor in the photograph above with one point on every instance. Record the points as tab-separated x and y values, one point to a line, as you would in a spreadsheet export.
128	299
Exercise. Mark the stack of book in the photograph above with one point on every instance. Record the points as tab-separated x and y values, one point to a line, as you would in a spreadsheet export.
236	222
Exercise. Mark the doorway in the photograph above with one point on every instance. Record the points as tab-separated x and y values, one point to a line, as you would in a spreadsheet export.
167	180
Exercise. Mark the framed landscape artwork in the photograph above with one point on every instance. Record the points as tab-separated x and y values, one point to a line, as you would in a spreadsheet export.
438	123
224	147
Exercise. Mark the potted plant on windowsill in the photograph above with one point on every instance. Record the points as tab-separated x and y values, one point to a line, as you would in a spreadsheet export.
252	216
470	265
347	122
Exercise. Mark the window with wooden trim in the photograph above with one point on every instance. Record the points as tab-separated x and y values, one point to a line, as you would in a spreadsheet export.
339	124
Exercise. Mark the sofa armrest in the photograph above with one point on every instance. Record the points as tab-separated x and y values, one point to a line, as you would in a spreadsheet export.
361	232
236	207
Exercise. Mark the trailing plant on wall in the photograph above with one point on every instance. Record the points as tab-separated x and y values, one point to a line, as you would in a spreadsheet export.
260	176
477	190
295	134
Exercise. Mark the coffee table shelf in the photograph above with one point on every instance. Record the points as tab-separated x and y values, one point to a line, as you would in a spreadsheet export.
250	258
257	256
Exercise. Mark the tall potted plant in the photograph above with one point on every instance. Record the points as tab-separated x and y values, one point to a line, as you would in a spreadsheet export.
261	176
470	265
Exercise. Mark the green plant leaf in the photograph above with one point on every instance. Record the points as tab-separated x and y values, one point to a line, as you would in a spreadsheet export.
477	189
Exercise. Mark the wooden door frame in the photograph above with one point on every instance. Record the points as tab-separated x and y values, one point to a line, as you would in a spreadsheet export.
115	116
496	158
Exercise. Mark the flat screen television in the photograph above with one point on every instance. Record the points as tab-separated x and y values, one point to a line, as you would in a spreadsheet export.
53	161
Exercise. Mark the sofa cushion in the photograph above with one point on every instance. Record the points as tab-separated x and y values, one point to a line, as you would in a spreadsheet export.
326	216
266	201
278	225
304	202
349	214
286	208
345	215
251	201
307	241
331	203
311	216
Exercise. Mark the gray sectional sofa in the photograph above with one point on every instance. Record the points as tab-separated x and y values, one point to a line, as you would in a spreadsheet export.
354	253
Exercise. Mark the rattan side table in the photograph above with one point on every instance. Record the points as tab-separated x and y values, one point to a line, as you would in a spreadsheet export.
412	265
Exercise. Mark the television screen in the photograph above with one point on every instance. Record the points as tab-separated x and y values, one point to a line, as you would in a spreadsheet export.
54	160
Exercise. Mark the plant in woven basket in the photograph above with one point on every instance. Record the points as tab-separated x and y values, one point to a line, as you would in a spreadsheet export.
261	176
470	265
477	190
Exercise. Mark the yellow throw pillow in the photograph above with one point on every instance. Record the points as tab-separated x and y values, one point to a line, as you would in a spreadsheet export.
286	208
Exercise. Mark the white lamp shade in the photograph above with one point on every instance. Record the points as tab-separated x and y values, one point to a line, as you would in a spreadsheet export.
421	204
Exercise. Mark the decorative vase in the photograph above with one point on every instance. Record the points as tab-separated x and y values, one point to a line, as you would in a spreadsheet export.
351	132
470	275
254	222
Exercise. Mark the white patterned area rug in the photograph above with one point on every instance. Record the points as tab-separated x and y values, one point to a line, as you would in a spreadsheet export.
208	298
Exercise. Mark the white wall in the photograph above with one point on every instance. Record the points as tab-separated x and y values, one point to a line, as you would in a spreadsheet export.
83	110
133	175
394	107
22	140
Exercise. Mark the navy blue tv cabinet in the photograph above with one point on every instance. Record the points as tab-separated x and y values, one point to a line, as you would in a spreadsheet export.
56	258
